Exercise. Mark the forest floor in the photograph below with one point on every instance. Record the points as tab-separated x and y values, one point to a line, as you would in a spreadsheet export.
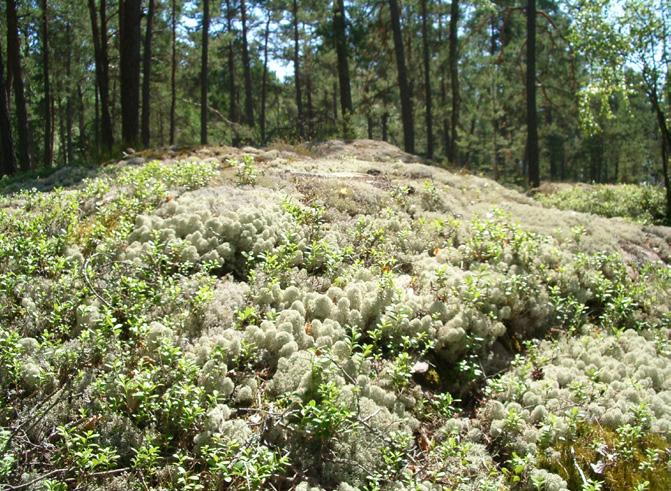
336	316
372	163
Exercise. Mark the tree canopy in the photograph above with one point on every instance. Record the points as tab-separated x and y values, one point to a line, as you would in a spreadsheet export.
485	85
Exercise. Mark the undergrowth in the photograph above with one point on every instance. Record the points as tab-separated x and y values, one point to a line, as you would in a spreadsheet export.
640	203
157	333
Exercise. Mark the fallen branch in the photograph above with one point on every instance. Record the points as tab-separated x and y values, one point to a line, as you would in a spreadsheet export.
36	480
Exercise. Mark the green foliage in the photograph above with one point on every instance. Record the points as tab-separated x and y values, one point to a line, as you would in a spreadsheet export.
245	170
630	457
7	458
82	451
242	467
326	417
639	203
348	349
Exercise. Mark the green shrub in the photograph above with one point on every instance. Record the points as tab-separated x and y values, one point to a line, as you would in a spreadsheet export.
639	203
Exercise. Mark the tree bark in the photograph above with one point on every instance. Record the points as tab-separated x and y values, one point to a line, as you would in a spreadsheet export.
309	111
48	130
130	13
146	75
102	71
453	156
496	158
406	96
264	81
204	70
7	156
249	100
427	79
339	26
96	118
69	145
233	113
445	130
61	130
83	143
532	117
14	66
297	73
173	72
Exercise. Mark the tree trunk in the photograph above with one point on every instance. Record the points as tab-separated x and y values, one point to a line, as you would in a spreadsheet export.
14	67
666	150
249	101
340	29
204	69
453	156
96	119
232	89
532	117
496	158
7	156
264	82
69	146
173	72
406	97
102	71
445	136
297	73
309	111
146	75
130	14
61	130
83	144
48	131
427	79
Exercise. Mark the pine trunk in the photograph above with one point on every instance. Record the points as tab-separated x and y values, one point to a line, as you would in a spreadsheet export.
406	97
48	131
204	70
310	111
102	71
264	82
69	145
173	72
146	75
427	79
339	26
233	113
81	121
297	73
532	117
7	156
453	156
14	65
130	13
445	130
246	64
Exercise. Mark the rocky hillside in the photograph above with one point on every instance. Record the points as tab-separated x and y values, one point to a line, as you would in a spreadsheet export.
334	317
